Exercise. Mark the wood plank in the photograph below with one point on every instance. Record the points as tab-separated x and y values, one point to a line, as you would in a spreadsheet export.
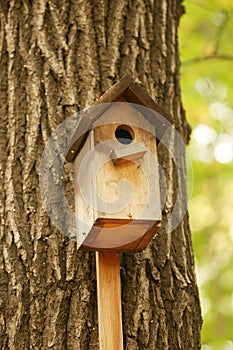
161	120
117	90
125	89
115	93
135	198
109	301
123	154
85	215
138	94
138	234
147	238
115	237
83	129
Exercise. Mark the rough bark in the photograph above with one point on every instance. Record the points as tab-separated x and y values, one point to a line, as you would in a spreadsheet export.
57	57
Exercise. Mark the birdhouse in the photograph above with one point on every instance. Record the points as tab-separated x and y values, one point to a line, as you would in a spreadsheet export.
114	152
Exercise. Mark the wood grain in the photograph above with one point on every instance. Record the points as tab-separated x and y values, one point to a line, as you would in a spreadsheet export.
108	192
137	236
126	89
109	301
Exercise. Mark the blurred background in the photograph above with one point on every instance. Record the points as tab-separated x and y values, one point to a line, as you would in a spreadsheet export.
206	44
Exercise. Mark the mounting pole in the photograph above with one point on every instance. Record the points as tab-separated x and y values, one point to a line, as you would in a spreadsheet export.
109	301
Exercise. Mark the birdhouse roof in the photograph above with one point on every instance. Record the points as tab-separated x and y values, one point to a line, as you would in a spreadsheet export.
125	90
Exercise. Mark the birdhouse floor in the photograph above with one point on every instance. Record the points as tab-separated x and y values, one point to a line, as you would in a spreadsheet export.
120	235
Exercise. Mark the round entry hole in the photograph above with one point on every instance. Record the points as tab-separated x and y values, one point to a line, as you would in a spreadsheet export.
124	134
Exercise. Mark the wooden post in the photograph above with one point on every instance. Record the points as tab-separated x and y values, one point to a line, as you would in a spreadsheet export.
109	301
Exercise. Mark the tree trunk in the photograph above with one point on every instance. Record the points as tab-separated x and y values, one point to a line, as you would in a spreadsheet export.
58	57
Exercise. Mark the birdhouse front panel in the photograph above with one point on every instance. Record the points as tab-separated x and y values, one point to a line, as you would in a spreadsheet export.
116	182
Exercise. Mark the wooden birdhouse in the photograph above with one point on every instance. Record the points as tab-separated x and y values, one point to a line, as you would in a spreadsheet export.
114	151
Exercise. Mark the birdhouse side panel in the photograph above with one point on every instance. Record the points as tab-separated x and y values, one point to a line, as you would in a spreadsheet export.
85	199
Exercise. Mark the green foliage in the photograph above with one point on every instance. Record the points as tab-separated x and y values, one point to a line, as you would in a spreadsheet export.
206	47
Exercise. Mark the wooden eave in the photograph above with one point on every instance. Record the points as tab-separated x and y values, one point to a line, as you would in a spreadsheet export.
132	92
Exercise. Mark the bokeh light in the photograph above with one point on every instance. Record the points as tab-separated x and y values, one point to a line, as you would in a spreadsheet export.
223	152
207	94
